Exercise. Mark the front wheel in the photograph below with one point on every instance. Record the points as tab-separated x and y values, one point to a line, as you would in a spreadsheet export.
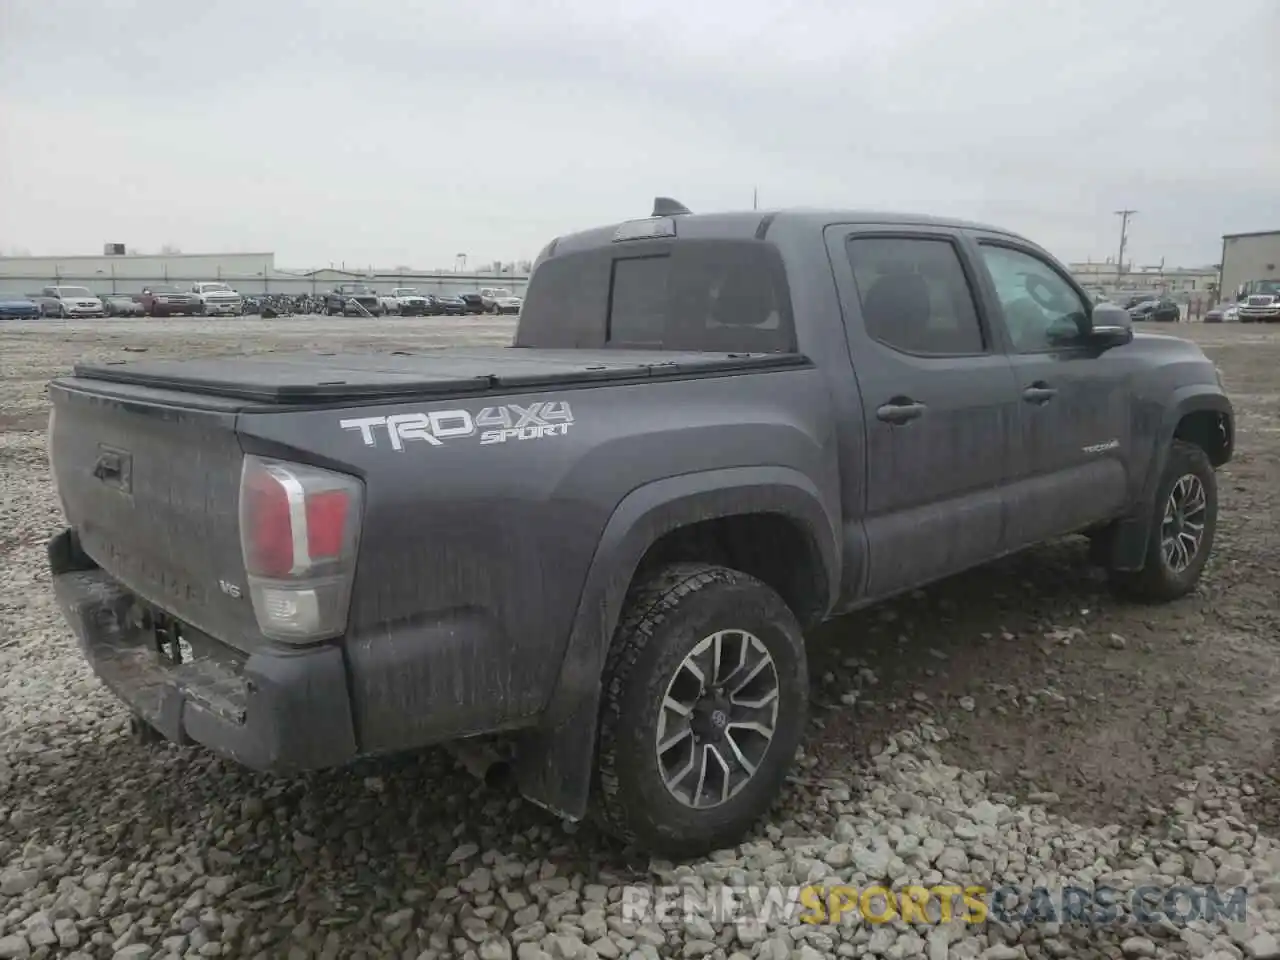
1185	517
704	704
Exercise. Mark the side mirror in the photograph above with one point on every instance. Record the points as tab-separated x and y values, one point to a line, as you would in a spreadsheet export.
1109	325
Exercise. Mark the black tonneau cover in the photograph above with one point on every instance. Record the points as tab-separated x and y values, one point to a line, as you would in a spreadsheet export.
335	378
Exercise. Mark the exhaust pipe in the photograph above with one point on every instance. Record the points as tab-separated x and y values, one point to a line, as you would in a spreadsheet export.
482	761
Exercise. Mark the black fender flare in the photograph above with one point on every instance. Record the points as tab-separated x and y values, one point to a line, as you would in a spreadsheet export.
554	761
1129	547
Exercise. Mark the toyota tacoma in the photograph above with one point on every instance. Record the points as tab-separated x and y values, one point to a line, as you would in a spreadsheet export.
589	560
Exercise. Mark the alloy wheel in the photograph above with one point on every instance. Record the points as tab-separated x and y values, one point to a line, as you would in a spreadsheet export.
717	718
1182	529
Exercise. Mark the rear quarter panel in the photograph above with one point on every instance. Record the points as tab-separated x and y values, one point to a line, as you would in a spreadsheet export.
473	555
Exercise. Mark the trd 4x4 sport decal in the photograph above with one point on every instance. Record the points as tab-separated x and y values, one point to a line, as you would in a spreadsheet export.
543	418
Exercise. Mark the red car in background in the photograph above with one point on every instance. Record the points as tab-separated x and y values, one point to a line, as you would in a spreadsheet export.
166	300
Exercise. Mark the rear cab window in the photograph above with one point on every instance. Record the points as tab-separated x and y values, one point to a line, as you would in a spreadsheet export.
716	295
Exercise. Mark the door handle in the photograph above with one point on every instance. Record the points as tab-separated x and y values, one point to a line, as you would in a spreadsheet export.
899	411
1039	393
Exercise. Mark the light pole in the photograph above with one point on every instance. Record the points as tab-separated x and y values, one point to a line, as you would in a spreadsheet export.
1124	216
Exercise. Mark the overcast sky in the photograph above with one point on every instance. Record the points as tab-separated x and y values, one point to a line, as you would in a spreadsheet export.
392	132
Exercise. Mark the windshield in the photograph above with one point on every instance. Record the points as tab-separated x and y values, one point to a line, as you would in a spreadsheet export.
74	292
500	292
1267	286
11	295
356	288
164	288
215	288
407	292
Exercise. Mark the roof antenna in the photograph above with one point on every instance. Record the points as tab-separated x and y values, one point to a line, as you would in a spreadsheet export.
666	207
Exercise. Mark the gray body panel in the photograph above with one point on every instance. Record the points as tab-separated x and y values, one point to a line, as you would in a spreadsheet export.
492	570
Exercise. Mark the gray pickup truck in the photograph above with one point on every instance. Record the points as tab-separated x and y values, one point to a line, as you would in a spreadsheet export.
588	560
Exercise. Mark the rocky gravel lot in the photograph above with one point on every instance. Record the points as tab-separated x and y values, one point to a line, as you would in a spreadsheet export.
1012	727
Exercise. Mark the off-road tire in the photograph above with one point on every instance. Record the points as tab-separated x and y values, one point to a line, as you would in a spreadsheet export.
1156	582
665	617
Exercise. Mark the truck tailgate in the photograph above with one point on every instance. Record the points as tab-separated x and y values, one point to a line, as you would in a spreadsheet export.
152	487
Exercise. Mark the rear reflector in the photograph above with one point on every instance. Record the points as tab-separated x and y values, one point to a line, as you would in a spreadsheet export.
299	528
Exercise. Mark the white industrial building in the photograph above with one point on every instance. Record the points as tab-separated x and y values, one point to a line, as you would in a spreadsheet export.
1249	256
1181	283
247	272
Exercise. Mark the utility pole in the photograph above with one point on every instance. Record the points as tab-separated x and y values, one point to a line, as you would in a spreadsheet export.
1124	216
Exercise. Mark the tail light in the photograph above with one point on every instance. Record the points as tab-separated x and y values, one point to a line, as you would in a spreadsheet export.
299	529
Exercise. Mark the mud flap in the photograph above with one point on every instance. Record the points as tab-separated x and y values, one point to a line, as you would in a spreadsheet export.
554	765
1128	548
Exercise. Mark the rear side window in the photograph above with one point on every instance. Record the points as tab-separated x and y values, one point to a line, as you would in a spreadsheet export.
714	295
915	297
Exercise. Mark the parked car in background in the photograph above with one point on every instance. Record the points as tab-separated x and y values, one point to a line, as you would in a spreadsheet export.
17	306
352	299
499	300
167	300
218	299
1140	298
406	301
1226	311
473	301
59	301
450	306
1161	310
122	305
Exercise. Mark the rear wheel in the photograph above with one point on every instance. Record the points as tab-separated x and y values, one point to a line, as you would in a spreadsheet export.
704	703
1185	517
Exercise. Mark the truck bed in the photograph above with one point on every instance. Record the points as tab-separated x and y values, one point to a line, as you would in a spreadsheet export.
163	519
309	378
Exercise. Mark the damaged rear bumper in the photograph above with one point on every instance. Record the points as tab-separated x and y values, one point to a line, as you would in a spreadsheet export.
278	709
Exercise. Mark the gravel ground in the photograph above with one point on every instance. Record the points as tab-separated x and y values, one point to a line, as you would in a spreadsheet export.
1014	726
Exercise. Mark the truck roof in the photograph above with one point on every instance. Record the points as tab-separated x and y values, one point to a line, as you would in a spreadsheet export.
757	223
